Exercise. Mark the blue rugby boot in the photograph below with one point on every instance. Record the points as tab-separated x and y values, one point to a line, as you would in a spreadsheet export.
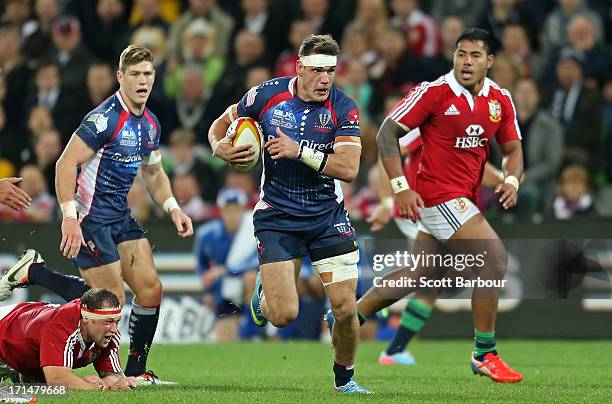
256	314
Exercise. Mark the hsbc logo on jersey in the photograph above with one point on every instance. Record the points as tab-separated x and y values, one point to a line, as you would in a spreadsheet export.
474	130
473	138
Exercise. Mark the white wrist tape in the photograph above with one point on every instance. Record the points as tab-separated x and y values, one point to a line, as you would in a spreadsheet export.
69	209
153	158
512	180
170	204
230	113
399	184
313	158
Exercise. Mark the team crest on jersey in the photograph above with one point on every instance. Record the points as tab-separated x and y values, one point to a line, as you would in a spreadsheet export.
99	120
92	358
495	111
324	118
151	134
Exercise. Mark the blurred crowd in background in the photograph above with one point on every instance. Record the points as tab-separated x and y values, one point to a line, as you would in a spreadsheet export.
58	60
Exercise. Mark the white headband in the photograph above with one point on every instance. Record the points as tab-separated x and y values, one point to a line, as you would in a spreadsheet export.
318	60
112	313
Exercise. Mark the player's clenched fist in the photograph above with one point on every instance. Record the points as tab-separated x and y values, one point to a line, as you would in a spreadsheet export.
407	204
182	222
282	146
72	237
508	197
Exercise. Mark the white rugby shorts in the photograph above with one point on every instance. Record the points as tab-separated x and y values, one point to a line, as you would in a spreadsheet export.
442	221
407	227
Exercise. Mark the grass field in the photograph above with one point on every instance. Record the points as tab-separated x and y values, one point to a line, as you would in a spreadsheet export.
555	371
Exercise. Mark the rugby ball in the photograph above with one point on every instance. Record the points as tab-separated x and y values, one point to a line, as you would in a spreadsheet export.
247	131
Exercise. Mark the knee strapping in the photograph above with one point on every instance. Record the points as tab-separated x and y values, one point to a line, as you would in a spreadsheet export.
337	269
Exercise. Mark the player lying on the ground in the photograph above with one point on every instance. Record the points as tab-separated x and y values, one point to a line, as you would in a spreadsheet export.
32	270
42	343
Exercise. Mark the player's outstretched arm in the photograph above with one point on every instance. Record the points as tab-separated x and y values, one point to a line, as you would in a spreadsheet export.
406	200
76	153
221	145
512	166
157	183
13	196
63	376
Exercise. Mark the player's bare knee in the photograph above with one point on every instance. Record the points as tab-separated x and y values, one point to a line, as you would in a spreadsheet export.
344	311
282	316
496	264
150	293
157	291
281	322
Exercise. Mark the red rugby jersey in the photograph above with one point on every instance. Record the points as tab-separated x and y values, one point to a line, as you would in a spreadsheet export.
411	141
34	335
456	130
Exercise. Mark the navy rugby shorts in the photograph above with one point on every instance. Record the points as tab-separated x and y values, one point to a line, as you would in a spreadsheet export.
102	237
283	237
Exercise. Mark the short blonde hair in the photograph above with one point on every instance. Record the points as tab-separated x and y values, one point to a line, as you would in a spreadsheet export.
134	54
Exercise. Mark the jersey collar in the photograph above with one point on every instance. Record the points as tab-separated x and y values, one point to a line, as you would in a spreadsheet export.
124	105
458	89
292	87
121	101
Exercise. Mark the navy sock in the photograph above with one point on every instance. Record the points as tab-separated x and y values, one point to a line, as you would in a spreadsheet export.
400	341
484	342
69	287
143	322
414	317
343	373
